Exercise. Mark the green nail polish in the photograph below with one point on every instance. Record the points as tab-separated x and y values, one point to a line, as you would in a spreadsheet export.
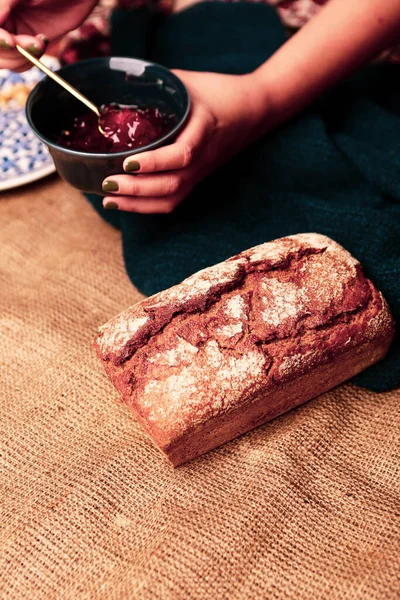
34	50
132	165
109	205
4	45
110	186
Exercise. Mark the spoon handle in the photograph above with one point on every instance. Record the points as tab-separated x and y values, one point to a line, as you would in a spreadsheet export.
58	79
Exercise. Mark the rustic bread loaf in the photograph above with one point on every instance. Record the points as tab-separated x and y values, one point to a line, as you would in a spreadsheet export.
241	342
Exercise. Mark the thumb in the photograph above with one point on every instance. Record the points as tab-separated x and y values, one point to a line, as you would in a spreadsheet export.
4	14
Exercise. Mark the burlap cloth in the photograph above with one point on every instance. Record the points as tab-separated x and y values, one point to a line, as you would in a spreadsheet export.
306	507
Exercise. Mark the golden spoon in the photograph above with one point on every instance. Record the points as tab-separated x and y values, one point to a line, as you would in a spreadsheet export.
67	86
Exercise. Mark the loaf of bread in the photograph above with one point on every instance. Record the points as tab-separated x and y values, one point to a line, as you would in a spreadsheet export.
244	341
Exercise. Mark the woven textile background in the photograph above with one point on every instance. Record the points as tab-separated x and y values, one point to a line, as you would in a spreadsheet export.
306	507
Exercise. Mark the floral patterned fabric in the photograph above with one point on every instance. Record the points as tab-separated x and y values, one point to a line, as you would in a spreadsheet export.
92	37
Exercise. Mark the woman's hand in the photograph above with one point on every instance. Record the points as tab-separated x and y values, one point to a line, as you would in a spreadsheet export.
223	120
230	111
32	23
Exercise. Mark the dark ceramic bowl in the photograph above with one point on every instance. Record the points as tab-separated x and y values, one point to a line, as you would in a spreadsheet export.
102	80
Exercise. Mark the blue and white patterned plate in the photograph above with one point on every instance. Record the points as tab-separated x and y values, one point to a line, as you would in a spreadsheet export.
23	157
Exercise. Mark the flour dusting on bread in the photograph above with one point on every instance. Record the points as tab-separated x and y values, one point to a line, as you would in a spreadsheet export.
243	341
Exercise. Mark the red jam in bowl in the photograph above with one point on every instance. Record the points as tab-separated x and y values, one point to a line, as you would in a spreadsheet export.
125	127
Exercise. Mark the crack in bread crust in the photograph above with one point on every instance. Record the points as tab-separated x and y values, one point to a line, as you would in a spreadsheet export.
240	331
158	318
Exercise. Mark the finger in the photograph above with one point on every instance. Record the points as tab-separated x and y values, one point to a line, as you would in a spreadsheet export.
43	38
6	40
8	54
178	155
159	184
11	59
145	207
36	45
4	13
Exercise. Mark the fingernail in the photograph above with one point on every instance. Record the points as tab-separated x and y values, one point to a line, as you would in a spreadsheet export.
110	186
44	38
132	165
34	50
110	205
4	45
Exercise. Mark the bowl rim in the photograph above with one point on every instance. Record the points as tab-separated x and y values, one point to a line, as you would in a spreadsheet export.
123	153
